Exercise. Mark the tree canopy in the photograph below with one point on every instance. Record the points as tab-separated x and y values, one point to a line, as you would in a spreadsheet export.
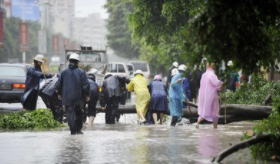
245	32
119	37
10	48
242	31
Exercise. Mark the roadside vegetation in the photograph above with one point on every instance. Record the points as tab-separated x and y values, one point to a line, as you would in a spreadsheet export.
37	119
260	92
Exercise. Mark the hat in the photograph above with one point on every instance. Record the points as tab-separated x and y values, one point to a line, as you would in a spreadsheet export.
174	71
182	67
229	63
138	71
157	77
39	58
175	64
74	56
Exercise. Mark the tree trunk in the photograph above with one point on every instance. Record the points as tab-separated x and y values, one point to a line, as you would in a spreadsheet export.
252	141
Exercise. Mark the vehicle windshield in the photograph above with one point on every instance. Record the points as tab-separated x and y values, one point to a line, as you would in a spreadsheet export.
12	71
141	66
92	57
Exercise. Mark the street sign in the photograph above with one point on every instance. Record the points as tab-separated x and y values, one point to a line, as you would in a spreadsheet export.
23	37
55	43
42	42
28	8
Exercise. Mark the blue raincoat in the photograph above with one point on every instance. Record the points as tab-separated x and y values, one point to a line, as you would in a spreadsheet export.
30	96
73	86
176	97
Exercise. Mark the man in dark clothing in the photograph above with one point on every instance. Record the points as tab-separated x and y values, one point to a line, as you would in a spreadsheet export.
194	81
91	110
73	88
113	89
34	74
233	77
174	65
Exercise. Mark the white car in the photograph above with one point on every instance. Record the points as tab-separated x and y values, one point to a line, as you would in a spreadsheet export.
143	66
120	68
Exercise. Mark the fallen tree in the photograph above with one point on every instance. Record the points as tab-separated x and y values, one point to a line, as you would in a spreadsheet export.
252	141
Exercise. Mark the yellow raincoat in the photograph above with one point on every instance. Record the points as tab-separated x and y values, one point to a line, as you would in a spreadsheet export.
138	85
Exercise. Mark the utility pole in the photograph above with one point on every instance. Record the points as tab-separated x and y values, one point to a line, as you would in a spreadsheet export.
23	20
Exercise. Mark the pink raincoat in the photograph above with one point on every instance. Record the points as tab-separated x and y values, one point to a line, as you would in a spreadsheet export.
208	105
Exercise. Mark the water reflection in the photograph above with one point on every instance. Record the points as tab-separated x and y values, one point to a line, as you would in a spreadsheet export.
208	144
140	148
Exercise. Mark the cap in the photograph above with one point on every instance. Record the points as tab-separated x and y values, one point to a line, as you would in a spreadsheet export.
74	56
182	67
175	64
157	77
174	71
39	58
229	63
138	72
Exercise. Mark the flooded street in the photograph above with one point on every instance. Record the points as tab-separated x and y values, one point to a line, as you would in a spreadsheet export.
125	142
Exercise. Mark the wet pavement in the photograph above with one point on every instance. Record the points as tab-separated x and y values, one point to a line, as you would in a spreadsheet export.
125	142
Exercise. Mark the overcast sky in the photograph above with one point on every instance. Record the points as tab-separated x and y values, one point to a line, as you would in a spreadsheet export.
86	7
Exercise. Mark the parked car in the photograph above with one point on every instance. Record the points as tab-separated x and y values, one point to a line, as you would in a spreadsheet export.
12	82
142	65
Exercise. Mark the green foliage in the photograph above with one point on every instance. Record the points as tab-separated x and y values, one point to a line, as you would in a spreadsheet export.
245	32
10	48
158	26
252	93
119	37
37	119
271	125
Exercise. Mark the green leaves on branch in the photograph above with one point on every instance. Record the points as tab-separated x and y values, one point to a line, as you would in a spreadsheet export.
37	119
240	31
253	93
11	46
271	125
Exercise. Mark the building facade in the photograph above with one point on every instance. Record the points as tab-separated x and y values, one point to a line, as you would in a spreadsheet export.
58	15
91	30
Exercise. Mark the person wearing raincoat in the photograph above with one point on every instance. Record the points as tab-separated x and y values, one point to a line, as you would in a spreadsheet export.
138	85
31	91
186	89
94	92
169	75
158	102
208	101
176	96
49	97
113	88
73	89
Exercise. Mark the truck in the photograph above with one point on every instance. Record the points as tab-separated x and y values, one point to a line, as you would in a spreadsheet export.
93	61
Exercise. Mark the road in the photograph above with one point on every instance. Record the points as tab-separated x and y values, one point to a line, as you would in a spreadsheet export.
125	142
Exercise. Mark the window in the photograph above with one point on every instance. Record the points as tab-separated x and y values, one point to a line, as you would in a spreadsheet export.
12	71
112	68
141	66
121	68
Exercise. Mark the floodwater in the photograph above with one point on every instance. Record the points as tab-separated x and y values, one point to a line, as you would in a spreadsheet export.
125	142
